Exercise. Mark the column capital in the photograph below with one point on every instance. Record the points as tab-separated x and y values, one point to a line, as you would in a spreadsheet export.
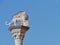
19	27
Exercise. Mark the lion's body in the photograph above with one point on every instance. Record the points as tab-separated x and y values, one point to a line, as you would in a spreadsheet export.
20	17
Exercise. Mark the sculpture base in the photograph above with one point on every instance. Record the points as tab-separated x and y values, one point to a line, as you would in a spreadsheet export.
19	27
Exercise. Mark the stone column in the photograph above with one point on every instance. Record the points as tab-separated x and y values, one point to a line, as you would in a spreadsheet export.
18	33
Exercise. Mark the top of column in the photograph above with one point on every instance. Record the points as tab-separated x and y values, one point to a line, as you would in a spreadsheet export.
19	27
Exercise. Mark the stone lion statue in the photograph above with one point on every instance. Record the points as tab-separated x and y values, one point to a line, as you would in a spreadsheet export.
21	17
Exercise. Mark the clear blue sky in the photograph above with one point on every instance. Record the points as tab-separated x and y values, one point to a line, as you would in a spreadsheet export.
44	18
